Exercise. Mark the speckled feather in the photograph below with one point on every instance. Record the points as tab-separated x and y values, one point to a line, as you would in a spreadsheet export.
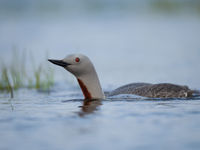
162	90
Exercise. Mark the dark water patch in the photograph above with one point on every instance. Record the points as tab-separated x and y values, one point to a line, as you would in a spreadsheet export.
194	112
73	100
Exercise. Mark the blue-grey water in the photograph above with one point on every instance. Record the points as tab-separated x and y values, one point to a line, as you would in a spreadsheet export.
61	120
125	48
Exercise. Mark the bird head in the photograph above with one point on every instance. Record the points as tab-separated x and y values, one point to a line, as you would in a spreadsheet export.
77	64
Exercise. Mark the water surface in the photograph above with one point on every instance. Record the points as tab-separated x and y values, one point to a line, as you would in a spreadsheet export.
62	120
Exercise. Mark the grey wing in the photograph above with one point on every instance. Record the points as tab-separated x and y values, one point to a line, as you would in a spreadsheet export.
163	90
128	89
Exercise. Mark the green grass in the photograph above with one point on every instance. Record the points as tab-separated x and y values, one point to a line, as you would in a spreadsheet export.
15	75
5	84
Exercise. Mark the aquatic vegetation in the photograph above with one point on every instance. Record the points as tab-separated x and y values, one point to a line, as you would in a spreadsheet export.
44	78
15	75
5	84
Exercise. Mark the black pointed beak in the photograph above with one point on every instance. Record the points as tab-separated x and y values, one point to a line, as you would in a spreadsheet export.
59	62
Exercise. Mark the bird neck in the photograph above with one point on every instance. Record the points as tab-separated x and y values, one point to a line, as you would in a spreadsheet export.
87	94
90	86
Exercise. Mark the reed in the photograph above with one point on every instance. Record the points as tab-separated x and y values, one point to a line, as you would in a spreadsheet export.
15	75
5	84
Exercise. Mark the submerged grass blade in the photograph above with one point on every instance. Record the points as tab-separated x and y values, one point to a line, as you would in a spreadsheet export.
5	82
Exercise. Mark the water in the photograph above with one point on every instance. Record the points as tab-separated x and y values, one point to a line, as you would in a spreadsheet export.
125	48
61	120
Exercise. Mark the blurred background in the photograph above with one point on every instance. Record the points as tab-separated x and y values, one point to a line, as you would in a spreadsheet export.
127	40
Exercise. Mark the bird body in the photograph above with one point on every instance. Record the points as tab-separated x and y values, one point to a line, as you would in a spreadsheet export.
83	69
162	90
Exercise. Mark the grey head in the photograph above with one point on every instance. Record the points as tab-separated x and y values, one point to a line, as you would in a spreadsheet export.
82	68
77	64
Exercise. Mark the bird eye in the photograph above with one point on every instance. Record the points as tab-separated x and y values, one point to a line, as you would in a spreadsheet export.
77	59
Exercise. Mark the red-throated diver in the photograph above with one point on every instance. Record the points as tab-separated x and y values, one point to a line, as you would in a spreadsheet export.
82	68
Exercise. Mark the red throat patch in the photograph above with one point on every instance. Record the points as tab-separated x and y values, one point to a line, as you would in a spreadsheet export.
84	89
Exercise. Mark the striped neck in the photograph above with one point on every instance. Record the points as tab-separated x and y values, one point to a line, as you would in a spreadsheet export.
84	89
91	88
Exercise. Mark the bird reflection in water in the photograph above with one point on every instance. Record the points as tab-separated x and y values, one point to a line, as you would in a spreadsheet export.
89	107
